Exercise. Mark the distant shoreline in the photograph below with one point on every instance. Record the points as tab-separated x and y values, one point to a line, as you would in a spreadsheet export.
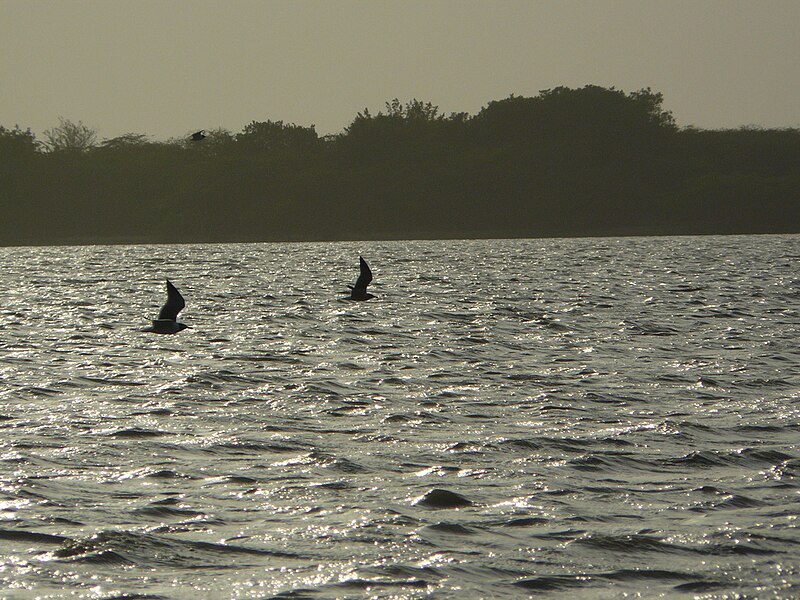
68	243
588	162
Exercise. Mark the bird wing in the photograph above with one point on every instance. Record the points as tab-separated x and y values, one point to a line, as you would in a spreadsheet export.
365	277
173	305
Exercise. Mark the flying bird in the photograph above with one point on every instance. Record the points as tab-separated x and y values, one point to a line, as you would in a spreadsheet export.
359	290
167	321
198	136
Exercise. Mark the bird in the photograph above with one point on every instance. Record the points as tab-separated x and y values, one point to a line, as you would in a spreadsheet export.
167	321
198	136
359	290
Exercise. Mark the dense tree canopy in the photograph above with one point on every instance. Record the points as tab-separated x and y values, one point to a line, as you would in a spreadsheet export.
16	142
586	161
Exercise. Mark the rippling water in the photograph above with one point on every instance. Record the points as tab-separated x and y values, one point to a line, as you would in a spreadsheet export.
508	418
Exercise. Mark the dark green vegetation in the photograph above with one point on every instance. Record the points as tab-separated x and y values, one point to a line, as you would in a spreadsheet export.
568	162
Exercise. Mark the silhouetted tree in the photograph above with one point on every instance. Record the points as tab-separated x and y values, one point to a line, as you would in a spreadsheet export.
69	136
404	131
587	161
125	142
277	137
588	113
16	142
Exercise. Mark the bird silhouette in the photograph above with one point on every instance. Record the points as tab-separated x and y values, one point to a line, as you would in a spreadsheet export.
359	290
167	321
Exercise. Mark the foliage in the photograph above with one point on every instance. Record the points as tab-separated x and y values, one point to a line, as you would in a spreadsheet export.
590	113
16	141
68	136
126	141
275	137
587	161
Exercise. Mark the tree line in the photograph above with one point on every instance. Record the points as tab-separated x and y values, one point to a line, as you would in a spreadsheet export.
567	162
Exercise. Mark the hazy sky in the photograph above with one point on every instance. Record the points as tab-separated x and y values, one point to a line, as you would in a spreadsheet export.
165	68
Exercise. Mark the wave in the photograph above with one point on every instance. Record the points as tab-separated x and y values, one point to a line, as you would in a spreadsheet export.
584	416
21	535
557	583
151	551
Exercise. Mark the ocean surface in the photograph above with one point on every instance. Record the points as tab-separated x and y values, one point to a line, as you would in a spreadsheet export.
597	418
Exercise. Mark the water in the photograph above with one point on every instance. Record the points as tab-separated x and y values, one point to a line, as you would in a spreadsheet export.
594	417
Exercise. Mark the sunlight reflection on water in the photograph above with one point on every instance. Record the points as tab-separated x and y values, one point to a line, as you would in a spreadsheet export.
615	414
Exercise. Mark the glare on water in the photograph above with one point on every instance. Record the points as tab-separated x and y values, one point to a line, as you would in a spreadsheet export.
506	418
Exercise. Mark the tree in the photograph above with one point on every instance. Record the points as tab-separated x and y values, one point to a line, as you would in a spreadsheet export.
650	103
69	137
16	142
591	113
216	142
17	152
125	141
278	138
412	130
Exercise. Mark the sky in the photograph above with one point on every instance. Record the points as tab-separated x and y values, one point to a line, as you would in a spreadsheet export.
168	67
